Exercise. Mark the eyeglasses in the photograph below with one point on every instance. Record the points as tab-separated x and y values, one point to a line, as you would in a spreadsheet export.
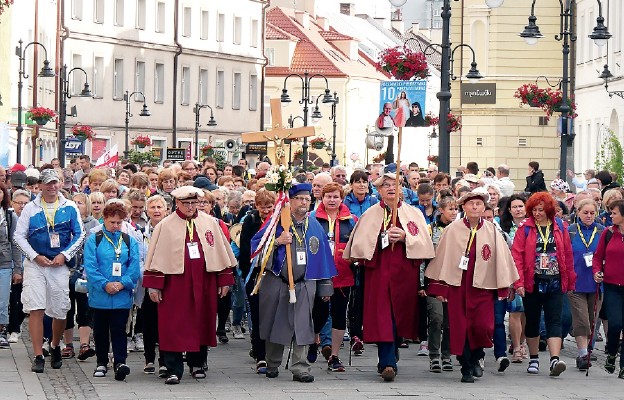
388	185
189	203
20	203
303	199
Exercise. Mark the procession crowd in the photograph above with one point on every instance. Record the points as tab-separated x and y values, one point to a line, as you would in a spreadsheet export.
170	260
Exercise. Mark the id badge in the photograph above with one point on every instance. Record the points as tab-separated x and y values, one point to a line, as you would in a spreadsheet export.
463	263
544	259
301	257
116	269
384	240
55	240
193	250
589	258
332	246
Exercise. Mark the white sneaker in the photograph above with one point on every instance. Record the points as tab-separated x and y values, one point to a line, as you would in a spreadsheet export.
237	332
423	350
138	342
14	337
130	345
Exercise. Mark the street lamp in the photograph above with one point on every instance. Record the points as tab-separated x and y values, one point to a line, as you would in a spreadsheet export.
567	21
606	75
211	122
46	72
64	86
306	99
332	118
144	113
291	124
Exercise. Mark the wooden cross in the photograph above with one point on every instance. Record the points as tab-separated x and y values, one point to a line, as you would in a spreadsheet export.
278	133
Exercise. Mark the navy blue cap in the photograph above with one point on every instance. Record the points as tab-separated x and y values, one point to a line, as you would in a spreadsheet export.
202	182
300	187
390	168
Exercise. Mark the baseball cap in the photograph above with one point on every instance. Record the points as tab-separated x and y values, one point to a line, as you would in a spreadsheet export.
18	179
49	175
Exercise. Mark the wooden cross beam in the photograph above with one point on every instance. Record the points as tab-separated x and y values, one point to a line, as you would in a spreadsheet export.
278	133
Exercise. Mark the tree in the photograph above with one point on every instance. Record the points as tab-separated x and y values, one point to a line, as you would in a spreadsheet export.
610	156
139	158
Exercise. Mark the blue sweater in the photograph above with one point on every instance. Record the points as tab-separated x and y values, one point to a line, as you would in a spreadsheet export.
98	264
584	275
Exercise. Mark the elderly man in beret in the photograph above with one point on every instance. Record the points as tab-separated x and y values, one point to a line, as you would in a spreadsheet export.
391	256
188	267
282	322
473	266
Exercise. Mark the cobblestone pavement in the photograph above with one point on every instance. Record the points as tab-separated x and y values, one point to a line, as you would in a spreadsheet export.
231	375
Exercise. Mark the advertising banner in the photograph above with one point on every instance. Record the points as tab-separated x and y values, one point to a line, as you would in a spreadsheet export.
402	104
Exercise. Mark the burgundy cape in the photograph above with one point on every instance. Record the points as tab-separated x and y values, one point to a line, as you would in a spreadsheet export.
391	283
470	309
188	311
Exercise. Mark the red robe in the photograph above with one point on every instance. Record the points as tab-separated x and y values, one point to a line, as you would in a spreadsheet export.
470	310
391	283
188	310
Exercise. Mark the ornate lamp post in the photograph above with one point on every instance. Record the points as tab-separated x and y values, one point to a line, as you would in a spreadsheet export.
211	122
65	94
144	113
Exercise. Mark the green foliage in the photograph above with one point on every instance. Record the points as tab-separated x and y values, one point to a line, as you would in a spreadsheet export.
221	161
138	157
610	156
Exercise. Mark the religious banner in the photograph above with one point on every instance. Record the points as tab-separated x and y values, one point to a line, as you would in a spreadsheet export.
402	104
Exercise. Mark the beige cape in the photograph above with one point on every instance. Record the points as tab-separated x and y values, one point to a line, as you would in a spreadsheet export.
166	249
363	240
494	267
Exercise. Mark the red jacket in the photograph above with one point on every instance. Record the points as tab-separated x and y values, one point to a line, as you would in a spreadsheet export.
608	259
524	253
342	231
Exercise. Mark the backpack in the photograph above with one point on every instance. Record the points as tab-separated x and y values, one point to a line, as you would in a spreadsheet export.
574	231
99	235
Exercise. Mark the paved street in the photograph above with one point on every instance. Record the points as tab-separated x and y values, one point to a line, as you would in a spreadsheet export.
231	375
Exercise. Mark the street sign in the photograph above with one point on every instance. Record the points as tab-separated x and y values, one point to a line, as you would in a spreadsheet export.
74	146
176	154
478	93
256	148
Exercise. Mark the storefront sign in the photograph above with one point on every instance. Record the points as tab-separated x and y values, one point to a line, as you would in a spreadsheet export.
478	93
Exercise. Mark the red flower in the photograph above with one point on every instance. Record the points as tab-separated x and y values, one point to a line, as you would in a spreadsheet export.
547	99
403	63
83	131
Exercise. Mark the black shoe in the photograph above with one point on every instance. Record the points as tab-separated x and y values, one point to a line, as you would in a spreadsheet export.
38	364
222	336
172	380
162	372
477	371
503	363
312	353
610	364
467	378
272	372
121	371
56	360
583	363
305	378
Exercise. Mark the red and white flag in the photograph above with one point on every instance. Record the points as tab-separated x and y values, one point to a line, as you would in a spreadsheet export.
108	159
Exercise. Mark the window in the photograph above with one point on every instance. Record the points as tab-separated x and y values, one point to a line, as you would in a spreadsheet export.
590	48
119	12
221	28
253	92
203	86
140	14
267	111
118	79
236	91
159	83
139	78
160	17
238	30
77	9
98	11
186	85
97	83
269	53
220	88
186	24
77	75
254	33
204	24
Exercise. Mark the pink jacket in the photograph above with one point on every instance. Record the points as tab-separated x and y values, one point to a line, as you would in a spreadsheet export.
524	253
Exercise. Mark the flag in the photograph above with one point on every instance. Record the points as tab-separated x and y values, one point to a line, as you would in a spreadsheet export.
108	159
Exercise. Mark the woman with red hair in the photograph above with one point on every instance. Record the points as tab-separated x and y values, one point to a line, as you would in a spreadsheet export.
543	255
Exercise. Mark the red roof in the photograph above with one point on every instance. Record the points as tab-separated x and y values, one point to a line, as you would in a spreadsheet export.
333	35
275	33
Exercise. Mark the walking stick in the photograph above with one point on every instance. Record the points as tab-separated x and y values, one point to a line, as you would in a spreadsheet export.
395	206
593	329
289	352
286	221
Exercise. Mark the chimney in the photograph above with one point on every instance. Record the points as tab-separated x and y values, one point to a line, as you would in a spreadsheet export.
415	27
347	9
303	18
397	21
323	23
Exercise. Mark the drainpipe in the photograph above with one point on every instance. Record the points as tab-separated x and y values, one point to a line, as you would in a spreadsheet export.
35	82
266	62
62	33
174	104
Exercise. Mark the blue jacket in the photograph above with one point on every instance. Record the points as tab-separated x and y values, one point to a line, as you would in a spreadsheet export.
356	207
584	275
98	264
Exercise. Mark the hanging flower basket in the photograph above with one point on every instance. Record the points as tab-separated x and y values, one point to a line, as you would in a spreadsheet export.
453	121
40	115
206	150
142	141
298	155
318	143
4	5
433	159
403	63
380	157
549	100
83	132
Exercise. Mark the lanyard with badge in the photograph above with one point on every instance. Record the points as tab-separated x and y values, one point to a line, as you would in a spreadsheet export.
117	248
588	256
300	248
55	239
193	249
384	239
544	257
463	262
330	234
